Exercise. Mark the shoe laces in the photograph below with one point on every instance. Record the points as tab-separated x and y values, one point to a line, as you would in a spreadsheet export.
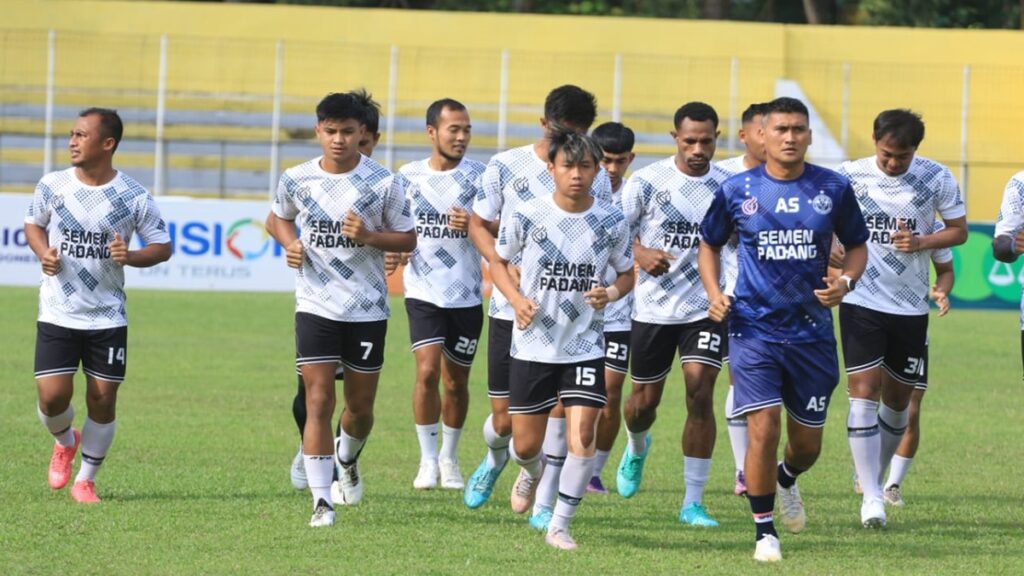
525	485
791	502
350	475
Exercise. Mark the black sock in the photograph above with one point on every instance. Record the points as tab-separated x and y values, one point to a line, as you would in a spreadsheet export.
763	508
788	474
299	407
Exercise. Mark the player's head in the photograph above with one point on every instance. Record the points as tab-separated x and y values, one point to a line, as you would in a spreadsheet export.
568	108
696	133
616	143
372	137
340	126
787	131
750	131
449	128
897	134
573	161
95	136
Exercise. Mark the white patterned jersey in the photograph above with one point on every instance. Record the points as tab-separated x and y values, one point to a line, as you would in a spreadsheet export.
1011	216
564	255
664	208
341	279
445	267
733	165
512	177
618	315
941	255
897	282
80	221
731	266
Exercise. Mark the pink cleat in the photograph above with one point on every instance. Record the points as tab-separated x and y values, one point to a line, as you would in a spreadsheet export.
740	487
84	491
60	463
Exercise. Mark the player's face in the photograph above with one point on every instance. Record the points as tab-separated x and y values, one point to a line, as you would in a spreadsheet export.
753	138
616	165
87	143
368	143
786	137
573	179
892	158
696	143
339	139
452	135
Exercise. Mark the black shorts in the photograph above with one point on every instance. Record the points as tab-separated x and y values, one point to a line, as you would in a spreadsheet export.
654	346
616	351
457	330
537	386
892	341
358	346
499	348
103	354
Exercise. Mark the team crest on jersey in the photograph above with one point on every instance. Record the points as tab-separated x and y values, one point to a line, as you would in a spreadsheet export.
861	192
749	206
822	204
414	190
539	234
662	197
58	202
302	193
521	185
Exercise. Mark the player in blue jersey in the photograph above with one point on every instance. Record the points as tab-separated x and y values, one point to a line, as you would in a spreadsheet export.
781	342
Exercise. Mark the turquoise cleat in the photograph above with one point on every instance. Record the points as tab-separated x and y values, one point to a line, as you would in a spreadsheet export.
631	471
696	515
481	484
540	520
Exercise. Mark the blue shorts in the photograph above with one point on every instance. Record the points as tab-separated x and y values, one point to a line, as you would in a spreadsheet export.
799	376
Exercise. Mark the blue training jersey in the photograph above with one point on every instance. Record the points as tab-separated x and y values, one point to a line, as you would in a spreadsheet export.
785	234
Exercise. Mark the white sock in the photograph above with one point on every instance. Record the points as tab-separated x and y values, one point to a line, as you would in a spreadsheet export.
427	435
737	432
347	448
571	488
891	426
695	474
637	441
865	444
600	458
497	446
898	470
60	425
532	466
450	443
319	473
96	441
554	450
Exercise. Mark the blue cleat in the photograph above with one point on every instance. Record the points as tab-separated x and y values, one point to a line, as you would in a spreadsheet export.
481	484
696	515
540	520
631	471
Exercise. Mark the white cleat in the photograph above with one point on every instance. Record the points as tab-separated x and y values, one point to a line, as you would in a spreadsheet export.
560	539
768	549
792	513
893	496
524	491
872	513
426	478
451	475
323	515
299	471
348	490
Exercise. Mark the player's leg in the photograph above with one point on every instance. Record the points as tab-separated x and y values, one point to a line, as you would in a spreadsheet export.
497	429
653	348
616	366
533	393
554	449
902	368
737	438
464	327
427	329
904	457
298	467
700	352
58	353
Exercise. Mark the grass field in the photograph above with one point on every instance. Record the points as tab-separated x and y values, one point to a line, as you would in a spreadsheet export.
197	480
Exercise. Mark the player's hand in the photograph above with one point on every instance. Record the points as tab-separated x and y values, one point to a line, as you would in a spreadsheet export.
832	294
597	298
904	240
295	253
1018	243
118	250
651	260
719	308
458	219
940	298
515	273
354	228
835	258
51	261
525	309
392	260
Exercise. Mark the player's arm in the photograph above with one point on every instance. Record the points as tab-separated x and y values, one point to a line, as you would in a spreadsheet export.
939	292
483	233
39	242
838	286
601	296
390	241
1008	240
502	276
148	255
287	235
954	234
709	265
634	197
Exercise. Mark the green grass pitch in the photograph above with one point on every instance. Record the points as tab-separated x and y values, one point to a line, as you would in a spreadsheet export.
197	479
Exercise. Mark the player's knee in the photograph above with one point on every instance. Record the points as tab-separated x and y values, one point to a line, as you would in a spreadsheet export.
427	376
320	403
699	401
53	404
502	423
455	387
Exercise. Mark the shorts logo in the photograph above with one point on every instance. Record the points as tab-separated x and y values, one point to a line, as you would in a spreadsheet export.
822	204
58	202
539	234
749	206
521	185
662	197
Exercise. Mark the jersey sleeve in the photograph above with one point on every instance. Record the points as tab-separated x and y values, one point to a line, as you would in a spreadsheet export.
601	189
284	205
951	203
149	223
397	216
38	211
849	219
489	201
510	237
1011	211
633	204
621	256
941	255
717	226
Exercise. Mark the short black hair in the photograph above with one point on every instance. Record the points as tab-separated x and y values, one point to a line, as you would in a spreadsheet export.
903	126
614	137
696	111
435	109
574	145
786	105
570	105
110	123
371	108
340	106
753	111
